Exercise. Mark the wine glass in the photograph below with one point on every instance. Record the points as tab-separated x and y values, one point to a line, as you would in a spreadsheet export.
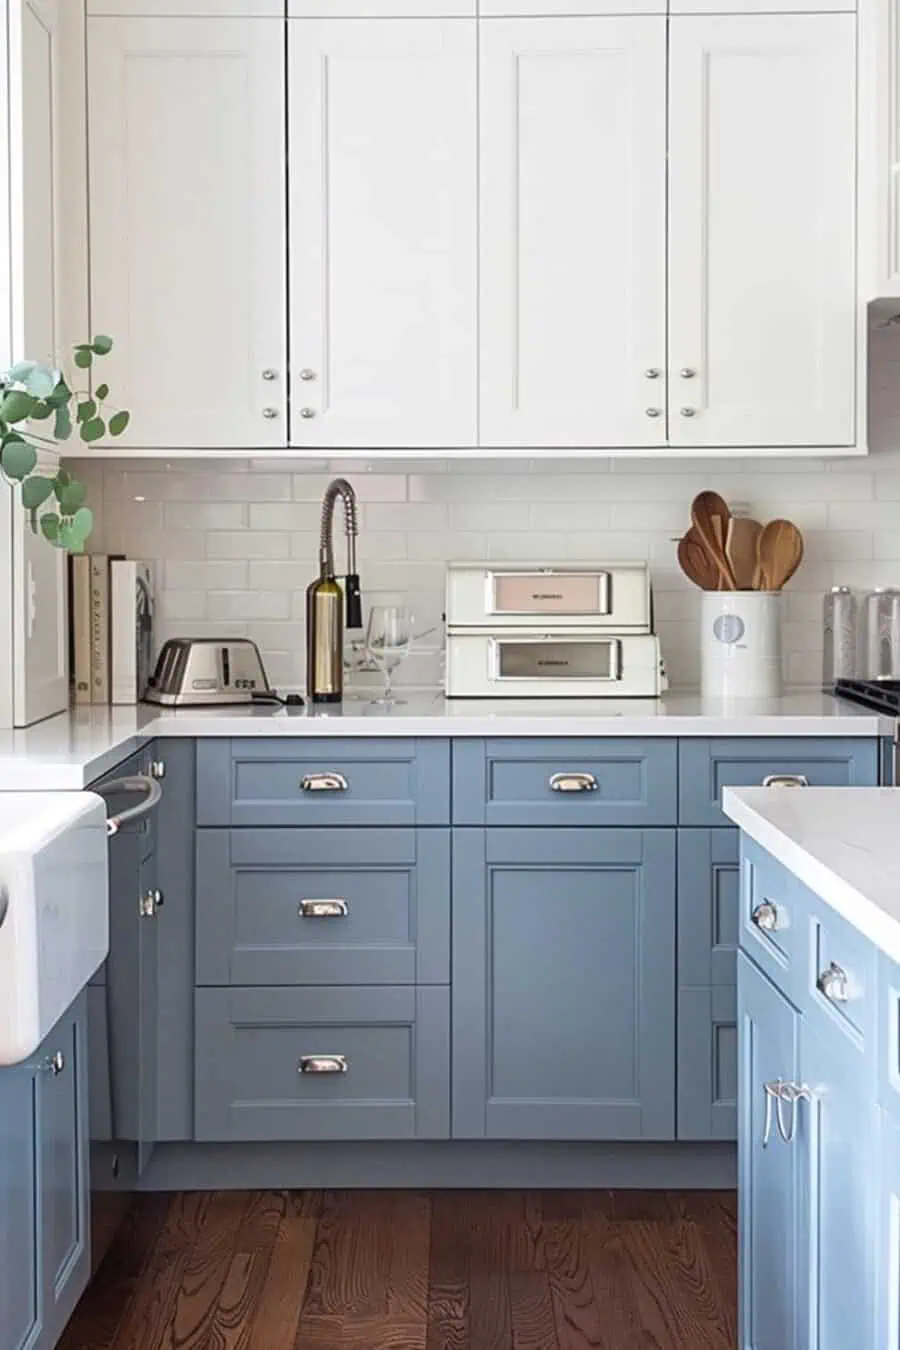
388	640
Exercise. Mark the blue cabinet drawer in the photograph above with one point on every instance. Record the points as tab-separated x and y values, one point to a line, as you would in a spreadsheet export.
705	767
333	906
707	1063
262	1056
318	781
840	973
771	921
583	781
708	907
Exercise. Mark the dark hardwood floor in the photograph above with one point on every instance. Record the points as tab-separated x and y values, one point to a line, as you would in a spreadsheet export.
389	1270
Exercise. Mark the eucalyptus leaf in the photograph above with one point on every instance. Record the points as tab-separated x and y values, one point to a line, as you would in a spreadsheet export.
11	438
63	478
84	358
102	345
62	427
18	459
60	396
71	497
118	423
41	411
35	491
42	381
94	430
50	526
102	391
16	405
87	410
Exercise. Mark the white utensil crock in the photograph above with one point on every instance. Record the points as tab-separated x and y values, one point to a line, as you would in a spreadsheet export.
741	644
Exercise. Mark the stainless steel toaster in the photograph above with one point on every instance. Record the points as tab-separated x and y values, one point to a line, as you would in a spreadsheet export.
202	672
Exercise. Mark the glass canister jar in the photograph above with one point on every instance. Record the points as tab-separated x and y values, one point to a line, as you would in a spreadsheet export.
840	645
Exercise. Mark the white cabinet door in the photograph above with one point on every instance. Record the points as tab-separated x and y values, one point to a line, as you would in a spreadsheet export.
573	220
384	9
762	269
521	9
188	247
383	224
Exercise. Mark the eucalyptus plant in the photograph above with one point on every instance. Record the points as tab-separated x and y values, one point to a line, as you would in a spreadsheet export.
32	393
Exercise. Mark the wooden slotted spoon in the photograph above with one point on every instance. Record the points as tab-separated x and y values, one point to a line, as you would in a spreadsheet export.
741	549
696	563
779	554
710	516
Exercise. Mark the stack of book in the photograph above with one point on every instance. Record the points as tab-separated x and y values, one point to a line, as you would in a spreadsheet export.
111	605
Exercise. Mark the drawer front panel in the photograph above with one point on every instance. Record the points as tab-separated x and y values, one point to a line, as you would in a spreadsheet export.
707	1063
705	767
708	907
355	907
321	781
771	919
393	1044
841	971
564	782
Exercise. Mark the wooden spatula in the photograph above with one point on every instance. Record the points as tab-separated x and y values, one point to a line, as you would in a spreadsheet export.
740	547
779	554
710	516
696	563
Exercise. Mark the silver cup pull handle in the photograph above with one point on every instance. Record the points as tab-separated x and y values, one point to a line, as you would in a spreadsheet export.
787	780
834	984
573	782
323	1064
323	909
324	782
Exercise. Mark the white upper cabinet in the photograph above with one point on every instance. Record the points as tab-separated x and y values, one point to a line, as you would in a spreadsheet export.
187	9
537	9
880	129
383	222
573	230
381	9
762	277
188	236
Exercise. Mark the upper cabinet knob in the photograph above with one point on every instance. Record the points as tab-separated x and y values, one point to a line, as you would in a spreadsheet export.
307	413
270	413
654	412
688	412
270	374
307	374
687	373
652	373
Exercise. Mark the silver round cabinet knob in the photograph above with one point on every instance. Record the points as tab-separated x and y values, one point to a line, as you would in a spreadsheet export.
652	373
689	412
654	412
270	414
687	373
55	1064
307	413
270	374
307	375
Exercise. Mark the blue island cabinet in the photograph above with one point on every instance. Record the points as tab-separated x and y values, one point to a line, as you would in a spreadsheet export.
44	1187
563	984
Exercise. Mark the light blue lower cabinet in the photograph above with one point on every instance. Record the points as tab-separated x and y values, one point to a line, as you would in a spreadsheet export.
44	1187
707	1063
843	1137
563	984
322	1063
887	1273
773	1172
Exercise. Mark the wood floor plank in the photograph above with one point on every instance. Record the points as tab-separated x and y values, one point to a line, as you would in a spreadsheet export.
448	1270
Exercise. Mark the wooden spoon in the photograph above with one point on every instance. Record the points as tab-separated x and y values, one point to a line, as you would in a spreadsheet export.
710	516
740	547
779	554
696	563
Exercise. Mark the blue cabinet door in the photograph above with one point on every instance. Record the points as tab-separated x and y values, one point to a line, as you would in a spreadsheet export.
840	1077
63	1144
20	1305
563	984
772	1172
887	1275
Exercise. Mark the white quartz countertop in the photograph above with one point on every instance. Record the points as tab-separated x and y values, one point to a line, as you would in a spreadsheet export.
72	750
840	842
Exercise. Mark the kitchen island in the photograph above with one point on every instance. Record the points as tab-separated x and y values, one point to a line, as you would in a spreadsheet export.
819	1077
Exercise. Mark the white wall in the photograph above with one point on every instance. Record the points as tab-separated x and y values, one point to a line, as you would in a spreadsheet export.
238	540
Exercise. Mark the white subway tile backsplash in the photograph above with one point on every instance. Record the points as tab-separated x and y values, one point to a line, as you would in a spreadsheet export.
239	537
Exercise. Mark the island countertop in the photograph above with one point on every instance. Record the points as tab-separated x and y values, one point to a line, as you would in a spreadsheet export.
840	842
72	750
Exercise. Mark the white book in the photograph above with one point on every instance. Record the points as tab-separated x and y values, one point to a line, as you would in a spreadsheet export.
80	621
132	600
100	682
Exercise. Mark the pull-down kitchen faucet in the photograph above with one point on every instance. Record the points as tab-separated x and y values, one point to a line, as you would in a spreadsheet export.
324	616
